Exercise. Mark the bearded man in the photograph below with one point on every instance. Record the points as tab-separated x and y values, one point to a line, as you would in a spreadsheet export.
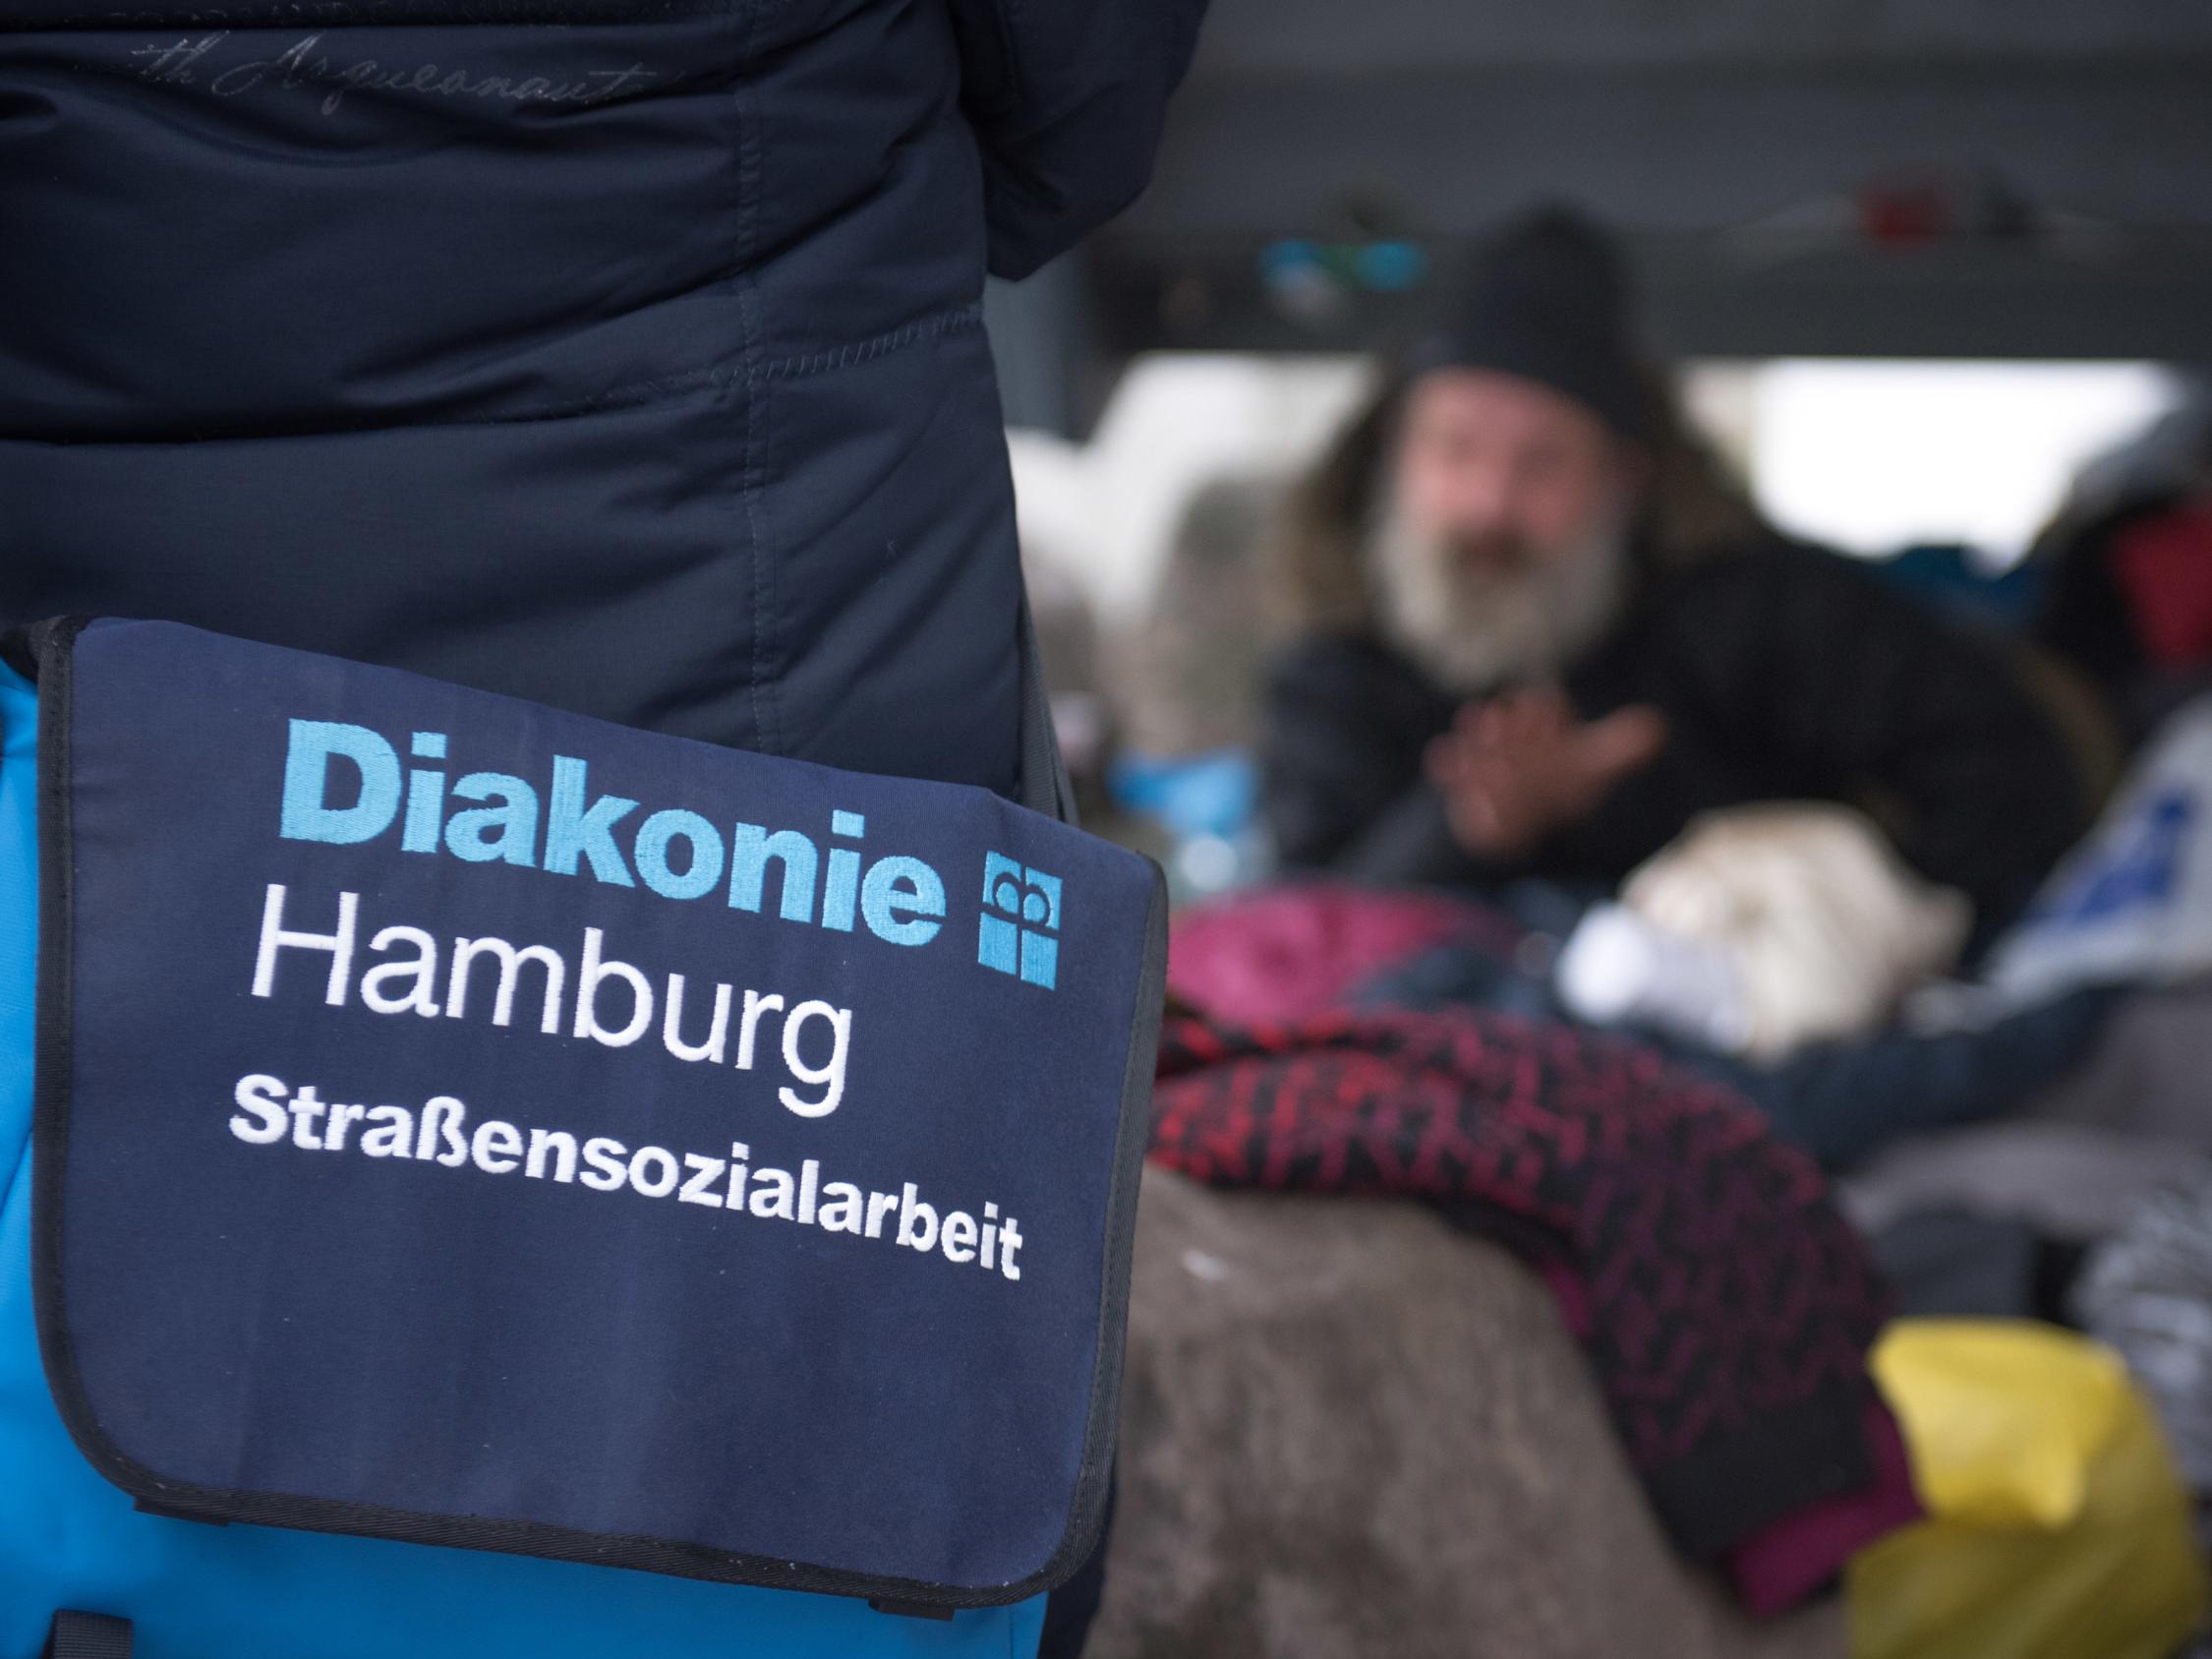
1541	635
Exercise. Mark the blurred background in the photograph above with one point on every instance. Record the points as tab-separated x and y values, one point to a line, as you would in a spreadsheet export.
1913	267
1930	280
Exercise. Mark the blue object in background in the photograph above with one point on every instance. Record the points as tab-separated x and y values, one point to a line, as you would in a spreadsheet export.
1391	267
1208	805
1214	794
1957	582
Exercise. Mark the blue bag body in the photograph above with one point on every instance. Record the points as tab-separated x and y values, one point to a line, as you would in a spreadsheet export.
463	1392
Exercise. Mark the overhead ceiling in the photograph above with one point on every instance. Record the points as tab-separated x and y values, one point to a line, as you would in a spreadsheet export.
1864	177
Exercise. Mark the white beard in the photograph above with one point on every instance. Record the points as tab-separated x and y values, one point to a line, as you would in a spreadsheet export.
1473	628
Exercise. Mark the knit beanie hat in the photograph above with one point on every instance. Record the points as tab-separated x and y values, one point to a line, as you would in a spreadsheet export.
1549	302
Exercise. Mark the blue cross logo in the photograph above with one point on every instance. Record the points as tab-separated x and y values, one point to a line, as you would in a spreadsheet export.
1020	918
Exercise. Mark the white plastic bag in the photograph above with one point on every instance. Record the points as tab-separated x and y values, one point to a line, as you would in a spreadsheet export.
1765	928
2133	904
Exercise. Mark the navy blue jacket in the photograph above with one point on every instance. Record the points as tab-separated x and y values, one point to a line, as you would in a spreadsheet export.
623	356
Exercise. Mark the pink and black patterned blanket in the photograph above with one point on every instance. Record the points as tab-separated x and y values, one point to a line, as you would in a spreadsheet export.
1726	1306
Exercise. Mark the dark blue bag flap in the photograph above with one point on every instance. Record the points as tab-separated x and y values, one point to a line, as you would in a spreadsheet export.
465	1122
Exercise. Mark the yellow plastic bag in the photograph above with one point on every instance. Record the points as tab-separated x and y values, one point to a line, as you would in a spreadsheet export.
2057	1527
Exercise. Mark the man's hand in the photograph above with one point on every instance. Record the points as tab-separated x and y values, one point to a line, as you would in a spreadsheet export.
1514	769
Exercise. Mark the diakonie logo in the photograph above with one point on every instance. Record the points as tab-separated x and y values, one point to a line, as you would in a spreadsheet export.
564	829
1021	937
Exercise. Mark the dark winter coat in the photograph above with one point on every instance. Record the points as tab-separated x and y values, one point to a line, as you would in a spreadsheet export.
623	356
1784	675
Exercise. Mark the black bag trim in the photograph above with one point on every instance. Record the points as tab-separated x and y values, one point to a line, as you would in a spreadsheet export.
49	648
1045	787
910	1610
87	1635
168	1513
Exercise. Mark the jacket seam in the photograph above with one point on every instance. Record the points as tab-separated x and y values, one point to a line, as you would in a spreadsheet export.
634	395
957	320
761	688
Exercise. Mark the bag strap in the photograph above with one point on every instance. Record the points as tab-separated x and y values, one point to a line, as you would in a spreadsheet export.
1044	773
88	1635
